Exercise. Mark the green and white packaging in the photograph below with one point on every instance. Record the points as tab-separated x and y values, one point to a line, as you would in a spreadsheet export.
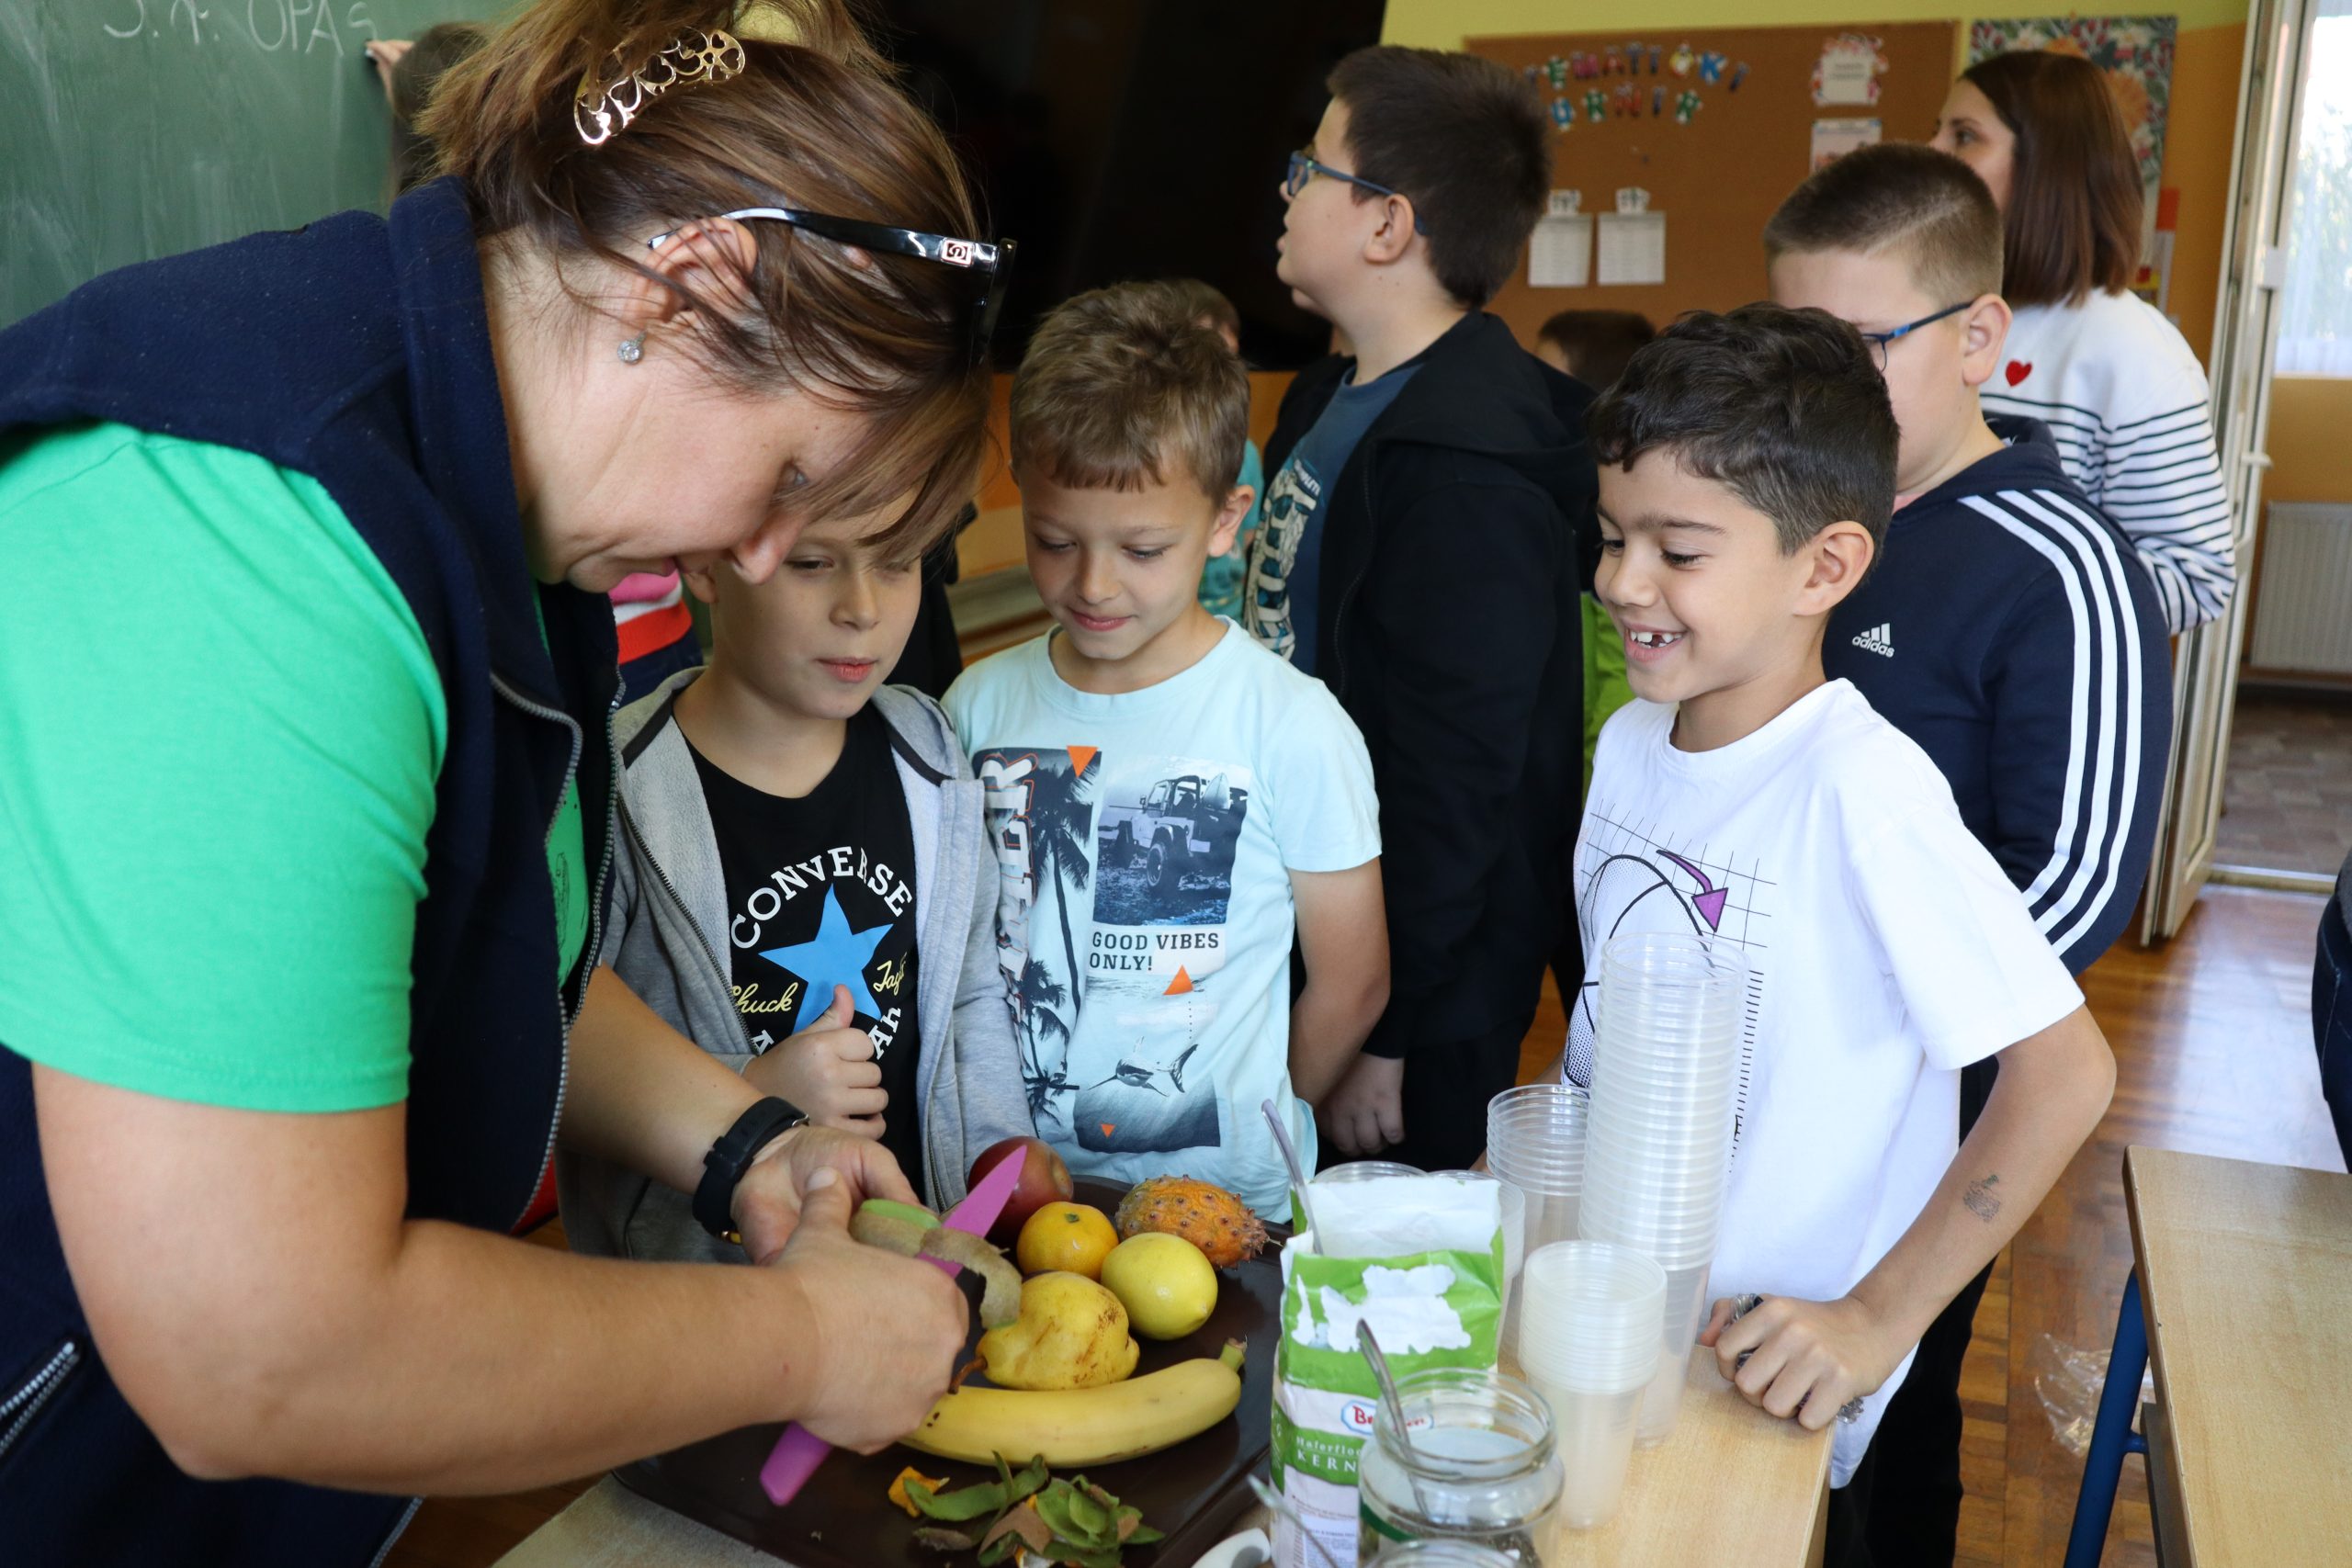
1421	1259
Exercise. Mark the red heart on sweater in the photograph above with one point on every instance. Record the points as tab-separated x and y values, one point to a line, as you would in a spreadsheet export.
2018	370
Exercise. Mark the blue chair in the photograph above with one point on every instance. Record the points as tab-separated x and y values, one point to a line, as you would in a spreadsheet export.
2111	1433
2332	1006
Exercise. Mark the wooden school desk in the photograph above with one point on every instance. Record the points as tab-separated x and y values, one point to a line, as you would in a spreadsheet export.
2245	1280
1730	1486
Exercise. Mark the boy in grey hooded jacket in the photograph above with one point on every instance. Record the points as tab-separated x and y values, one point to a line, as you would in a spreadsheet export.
671	937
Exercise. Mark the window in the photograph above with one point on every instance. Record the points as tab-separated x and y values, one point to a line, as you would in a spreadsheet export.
2316	308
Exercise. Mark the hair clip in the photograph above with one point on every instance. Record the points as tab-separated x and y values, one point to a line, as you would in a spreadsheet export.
600	113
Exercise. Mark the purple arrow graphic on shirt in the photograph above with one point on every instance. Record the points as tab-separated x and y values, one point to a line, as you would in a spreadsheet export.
1709	899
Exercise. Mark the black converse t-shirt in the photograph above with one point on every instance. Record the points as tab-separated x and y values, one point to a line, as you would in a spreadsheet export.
821	892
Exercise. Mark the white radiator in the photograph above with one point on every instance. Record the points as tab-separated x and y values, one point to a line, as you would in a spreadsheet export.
2302	617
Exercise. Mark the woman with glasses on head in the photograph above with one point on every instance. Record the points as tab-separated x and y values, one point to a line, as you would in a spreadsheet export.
303	930
2115	382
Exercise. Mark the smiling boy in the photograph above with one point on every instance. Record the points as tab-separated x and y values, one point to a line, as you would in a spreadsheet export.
1168	801
1746	473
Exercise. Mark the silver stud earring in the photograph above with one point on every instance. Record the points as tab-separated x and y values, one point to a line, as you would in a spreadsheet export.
632	349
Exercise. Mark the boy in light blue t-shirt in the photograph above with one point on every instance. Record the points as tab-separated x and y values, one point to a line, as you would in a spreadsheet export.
1169	802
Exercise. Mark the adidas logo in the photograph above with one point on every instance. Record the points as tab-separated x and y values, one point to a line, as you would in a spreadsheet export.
1879	639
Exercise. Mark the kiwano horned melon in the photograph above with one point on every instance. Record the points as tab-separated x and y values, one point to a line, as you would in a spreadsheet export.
1208	1216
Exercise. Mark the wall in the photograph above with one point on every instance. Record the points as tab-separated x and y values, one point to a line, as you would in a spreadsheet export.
2206	65
1443	24
2197	142
2311	459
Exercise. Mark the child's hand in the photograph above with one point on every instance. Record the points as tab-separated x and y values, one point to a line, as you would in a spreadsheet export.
828	1071
1366	1112
1804	1360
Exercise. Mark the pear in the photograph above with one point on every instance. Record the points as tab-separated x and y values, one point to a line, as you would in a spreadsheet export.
1071	1334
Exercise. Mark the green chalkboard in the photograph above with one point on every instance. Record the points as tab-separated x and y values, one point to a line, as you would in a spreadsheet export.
133	128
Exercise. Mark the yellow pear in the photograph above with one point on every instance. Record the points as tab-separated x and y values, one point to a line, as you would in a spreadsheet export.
1071	1334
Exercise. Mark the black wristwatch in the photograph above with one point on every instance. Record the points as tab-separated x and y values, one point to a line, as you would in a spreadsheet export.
730	1157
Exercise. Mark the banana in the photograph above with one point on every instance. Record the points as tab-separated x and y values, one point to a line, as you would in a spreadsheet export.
1086	1426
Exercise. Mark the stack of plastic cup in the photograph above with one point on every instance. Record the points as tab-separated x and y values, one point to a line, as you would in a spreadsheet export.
1535	1146
1588	1342
1665	1065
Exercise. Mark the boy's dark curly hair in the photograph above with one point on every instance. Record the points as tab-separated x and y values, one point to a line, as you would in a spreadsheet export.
1787	408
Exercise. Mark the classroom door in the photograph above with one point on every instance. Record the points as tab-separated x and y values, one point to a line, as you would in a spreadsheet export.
2205	663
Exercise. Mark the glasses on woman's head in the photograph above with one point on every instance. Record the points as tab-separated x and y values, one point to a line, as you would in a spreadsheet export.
1304	168
990	264
1880	342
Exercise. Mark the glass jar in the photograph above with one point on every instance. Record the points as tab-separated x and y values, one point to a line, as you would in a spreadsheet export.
1439	1554
1480	1468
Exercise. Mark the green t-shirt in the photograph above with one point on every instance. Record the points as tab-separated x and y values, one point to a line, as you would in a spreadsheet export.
217	750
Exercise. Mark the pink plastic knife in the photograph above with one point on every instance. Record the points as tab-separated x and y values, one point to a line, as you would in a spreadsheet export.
799	1452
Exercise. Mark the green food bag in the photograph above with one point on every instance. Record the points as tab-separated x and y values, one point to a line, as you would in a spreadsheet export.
1421	1259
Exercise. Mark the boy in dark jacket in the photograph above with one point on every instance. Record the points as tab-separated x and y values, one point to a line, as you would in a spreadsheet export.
1418	553
2010	630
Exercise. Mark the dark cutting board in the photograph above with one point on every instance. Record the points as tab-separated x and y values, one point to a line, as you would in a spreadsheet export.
1194	1491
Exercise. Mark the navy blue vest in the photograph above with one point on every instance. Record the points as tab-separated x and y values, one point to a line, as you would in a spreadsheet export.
356	351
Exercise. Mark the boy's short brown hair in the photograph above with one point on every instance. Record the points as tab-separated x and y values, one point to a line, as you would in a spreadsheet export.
1465	141
1208	302
1120	382
1898	194
1596	344
2076	199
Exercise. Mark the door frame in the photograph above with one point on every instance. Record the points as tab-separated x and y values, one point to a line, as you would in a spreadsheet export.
2271	86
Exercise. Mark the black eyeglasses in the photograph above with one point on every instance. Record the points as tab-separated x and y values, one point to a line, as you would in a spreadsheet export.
992	264
1879	341
1304	168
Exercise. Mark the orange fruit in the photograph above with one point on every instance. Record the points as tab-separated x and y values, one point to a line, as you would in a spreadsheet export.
1072	1237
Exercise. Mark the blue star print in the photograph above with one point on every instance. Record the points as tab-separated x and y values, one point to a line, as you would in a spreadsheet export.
835	956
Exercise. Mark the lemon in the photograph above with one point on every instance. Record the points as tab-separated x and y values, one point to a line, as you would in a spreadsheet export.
1166	1284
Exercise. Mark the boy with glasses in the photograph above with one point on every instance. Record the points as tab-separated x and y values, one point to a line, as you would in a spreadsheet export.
1418	554
2009	630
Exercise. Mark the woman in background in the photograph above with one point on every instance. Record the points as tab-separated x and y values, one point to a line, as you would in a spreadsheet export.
2115	382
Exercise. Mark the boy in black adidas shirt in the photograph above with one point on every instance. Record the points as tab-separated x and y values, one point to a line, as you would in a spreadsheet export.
2009	630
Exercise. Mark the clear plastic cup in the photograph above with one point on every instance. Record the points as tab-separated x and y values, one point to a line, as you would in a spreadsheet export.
1592	1314
1595	1434
1364	1170
1685	1315
1591	1343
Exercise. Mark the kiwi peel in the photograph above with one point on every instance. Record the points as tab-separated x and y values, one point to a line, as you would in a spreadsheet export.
911	1232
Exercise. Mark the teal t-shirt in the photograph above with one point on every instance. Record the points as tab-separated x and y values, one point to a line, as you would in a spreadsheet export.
217	769
1222	576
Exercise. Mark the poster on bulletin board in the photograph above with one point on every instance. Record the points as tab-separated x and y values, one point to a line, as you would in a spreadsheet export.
2135	54
1679	145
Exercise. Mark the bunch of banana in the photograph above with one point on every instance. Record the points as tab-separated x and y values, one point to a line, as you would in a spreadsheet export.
1085	1426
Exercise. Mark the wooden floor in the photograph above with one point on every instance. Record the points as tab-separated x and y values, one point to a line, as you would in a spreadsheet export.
2213	1045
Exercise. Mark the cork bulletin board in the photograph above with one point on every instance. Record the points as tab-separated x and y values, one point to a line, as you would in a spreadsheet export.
1717	125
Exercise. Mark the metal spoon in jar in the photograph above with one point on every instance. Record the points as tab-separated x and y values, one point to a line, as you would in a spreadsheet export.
1370	1344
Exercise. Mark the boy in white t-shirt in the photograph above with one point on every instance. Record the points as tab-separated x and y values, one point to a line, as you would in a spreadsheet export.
1170	803
1747	475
